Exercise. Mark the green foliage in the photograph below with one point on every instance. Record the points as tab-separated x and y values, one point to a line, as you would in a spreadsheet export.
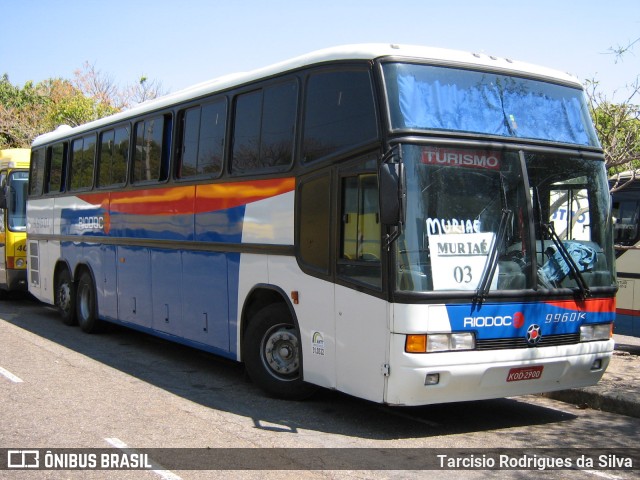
69	106
34	109
21	113
618	124
618	127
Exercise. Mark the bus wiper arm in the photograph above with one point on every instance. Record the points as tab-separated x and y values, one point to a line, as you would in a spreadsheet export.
566	256
494	254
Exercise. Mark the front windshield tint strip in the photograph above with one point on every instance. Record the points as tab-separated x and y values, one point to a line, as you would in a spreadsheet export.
423	97
476	223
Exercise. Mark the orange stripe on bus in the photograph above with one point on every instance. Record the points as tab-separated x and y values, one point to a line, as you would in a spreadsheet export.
589	305
190	199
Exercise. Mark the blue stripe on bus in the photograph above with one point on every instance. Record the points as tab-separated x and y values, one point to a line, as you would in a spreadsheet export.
217	226
512	320
191	295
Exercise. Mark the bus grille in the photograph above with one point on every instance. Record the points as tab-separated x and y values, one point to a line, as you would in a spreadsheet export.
521	342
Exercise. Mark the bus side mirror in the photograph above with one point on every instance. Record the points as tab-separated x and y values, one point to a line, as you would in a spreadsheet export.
390	191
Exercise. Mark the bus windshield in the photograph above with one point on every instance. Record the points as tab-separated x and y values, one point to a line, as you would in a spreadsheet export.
475	221
423	97
17	218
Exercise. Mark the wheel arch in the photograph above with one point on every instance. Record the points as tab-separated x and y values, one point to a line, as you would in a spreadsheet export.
80	269
261	296
62	264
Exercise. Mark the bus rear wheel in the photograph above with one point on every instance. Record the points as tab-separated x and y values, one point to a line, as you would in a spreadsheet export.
273	356
65	297
86	311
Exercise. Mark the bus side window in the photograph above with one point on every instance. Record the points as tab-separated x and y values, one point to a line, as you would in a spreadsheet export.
36	177
152	138
57	162
213	125
4	194
190	134
339	113
625	228
82	163
314	219
360	234
264	129
201	140
114	157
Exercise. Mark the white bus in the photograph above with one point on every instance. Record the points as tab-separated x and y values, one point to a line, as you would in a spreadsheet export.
375	219
626	236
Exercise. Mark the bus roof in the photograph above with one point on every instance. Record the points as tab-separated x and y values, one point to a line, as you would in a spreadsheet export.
436	56
15	158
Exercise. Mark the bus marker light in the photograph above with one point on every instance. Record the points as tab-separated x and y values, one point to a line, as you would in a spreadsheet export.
432	379
438	342
445	342
416	344
463	341
590	333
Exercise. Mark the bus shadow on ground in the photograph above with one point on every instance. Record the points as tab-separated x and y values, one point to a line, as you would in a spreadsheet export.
221	384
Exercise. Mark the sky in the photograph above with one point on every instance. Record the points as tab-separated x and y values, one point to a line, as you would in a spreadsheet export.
184	42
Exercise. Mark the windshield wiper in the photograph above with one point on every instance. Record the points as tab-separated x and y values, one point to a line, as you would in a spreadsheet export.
494	254
568	259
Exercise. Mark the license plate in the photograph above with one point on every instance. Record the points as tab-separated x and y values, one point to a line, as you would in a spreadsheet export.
525	373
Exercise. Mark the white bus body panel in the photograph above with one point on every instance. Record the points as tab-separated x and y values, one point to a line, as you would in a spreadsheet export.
628	262
41	220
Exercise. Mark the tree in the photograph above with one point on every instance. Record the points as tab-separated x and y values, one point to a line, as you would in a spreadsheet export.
94	84
68	105
101	87
618	127
141	91
36	109
21	113
618	124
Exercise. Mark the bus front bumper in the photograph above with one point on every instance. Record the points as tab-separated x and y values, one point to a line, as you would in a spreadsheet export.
423	379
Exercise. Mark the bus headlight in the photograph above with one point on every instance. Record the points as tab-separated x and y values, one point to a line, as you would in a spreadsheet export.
20	263
440	342
590	333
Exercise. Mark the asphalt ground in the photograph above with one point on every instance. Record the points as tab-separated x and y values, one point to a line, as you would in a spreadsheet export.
619	389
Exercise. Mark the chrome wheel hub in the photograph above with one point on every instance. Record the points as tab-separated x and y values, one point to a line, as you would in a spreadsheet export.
280	351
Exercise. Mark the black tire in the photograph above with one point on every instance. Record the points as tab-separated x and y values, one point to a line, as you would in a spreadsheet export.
273	356
65	297
86	305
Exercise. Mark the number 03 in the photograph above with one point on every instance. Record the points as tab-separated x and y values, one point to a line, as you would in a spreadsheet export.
462	274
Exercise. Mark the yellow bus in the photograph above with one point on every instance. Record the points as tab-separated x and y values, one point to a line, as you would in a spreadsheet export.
14	179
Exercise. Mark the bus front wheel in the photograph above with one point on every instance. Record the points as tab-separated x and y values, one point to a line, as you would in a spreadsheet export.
65	297
272	354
